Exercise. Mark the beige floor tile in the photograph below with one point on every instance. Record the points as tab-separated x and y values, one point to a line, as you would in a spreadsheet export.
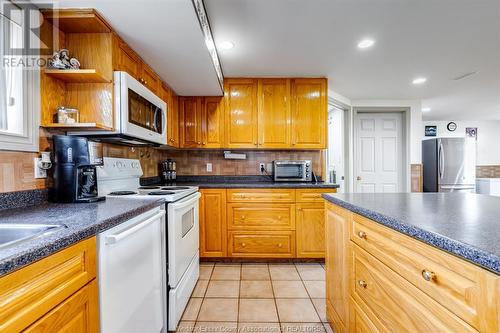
185	327
200	288
316	289
192	309
283	272
216	327
219	309
259	328
289	289
320	306
256	289
311	272
255	272
207	264
205	272
257	310
302	328
296	310
223	289
226	272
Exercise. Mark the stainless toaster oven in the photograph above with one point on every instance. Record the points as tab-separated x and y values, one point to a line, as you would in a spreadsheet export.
292	171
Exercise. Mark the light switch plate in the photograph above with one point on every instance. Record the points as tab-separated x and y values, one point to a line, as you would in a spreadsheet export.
39	172
209	167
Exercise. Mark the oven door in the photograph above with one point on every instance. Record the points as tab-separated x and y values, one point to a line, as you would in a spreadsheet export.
183	236
142	114
289	171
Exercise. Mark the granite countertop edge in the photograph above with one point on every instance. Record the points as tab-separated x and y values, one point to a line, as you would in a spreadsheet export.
459	249
30	254
276	185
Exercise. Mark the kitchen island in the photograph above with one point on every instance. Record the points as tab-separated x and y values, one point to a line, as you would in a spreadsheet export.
393	259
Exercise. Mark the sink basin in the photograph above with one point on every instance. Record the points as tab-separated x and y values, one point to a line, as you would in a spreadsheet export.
14	233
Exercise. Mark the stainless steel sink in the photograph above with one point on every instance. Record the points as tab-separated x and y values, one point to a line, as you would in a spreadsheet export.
14	233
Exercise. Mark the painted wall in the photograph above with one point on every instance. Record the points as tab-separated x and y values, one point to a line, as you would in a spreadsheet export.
488	137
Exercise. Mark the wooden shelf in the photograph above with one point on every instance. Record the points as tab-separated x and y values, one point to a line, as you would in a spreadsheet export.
77	20
79	126
77	75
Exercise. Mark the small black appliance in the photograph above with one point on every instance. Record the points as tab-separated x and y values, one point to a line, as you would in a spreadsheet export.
74	173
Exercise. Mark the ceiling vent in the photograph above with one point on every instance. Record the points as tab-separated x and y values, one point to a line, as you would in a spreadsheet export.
463	76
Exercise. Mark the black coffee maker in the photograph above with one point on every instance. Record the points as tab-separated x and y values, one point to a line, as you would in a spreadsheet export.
74	171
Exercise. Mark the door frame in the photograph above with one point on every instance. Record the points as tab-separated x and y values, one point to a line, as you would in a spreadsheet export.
405	130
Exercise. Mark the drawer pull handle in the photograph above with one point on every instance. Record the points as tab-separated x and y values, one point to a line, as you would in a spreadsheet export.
428	275
362	283
242	217
280	245
243	245
279	217
362	234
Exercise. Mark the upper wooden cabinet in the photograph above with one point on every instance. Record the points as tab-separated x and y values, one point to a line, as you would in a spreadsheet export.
309	113
274	120
241	129
149	78
201	122
212	122
169	97
190	121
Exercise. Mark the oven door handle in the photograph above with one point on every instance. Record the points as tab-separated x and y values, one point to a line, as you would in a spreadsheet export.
112	239
182	204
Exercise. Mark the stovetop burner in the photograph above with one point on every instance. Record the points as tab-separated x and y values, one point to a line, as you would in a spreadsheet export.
161	193
122	193
149	187
175	188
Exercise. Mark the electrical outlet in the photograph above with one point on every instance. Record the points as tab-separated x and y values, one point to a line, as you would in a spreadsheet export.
39	172
209	167
262	167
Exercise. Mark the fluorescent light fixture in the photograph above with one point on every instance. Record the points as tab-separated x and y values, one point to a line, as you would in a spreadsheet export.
226	45
419	80
366	43
426	109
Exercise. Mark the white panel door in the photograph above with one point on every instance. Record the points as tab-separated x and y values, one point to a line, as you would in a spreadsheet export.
378	152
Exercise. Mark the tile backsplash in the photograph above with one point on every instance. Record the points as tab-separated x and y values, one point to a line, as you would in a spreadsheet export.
194	162
488	171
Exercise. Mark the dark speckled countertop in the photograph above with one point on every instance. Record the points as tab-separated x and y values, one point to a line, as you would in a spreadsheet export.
81	221
466	225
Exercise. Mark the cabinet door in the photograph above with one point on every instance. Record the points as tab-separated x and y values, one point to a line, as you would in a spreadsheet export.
168	97
77	314
337	266
310	230
149	78
274	113
213	122
241	113
309	113
213	228
190	123
127	60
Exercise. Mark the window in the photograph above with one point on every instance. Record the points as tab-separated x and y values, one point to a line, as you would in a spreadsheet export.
19	83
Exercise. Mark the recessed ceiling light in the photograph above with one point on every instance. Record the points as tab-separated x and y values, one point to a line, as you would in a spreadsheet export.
226	45
366	43
419	80
426	109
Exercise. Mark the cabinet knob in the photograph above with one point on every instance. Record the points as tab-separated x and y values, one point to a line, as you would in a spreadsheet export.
428	275
255	143
279	217
172	140
204	143
362	283
199	142
362	234
280	245
243	245
358	178
242	217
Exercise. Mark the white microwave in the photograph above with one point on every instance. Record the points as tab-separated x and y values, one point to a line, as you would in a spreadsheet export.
140	117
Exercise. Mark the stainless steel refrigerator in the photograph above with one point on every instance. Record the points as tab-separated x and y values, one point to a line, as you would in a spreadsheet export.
449	164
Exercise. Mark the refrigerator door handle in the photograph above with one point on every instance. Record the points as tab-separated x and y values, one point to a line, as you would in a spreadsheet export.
441	160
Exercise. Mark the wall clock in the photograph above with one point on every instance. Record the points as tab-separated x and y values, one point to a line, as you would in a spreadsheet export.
451	126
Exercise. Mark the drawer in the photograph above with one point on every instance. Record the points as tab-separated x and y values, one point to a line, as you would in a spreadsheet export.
261	195
312	195
395	305
249	216
453	283
262	244
27	294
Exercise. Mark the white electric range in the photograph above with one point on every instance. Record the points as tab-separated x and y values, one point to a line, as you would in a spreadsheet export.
119	177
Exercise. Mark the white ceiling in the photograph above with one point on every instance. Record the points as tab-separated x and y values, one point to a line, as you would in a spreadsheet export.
438	39
167	35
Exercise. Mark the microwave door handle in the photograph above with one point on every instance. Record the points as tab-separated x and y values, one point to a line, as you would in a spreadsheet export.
112	239
155	116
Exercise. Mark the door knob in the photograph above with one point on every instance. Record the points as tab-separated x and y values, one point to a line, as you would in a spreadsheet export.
358	178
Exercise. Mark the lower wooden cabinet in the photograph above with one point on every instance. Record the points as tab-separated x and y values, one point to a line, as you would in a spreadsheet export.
310	230
213	228
77	314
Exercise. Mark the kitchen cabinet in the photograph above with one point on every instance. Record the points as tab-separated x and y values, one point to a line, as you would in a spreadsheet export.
274	115
169	97
149	78
241	129
126	59
44	296
309	113
190	121
310	230
212	122
213	229
381	280
261	244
